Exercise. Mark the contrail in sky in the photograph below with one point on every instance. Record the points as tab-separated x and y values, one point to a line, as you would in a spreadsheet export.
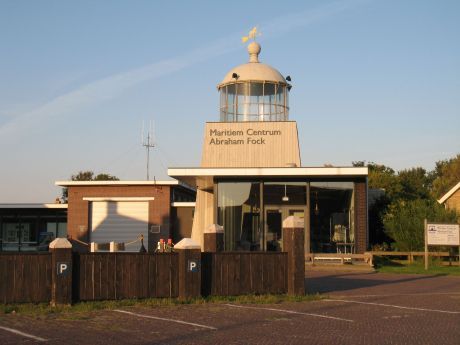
114	85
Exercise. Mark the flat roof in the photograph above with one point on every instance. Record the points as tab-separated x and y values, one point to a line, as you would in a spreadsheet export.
122	198
34	205
202	177
122	183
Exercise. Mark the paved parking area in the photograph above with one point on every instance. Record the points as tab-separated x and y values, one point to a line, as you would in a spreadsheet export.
363	308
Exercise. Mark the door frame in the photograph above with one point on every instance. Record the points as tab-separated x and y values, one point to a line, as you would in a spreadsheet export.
284	210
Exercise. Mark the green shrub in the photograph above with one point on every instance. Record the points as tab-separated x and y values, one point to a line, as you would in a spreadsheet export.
404	222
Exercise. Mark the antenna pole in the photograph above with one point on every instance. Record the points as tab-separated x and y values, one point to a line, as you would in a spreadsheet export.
148	143
148	155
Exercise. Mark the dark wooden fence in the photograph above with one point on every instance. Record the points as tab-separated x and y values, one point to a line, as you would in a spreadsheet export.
25	277
110	276
102	276
240	273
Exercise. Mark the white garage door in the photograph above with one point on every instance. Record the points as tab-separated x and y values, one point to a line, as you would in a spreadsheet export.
119	221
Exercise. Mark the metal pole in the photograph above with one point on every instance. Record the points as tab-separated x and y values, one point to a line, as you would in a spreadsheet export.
236	102
148	158
426	244
148	144
148	162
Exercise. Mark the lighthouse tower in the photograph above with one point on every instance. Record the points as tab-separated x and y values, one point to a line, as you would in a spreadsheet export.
254	130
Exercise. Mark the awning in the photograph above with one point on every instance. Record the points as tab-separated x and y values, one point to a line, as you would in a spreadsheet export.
203	178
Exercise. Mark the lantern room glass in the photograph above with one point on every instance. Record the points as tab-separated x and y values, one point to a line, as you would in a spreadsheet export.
254	101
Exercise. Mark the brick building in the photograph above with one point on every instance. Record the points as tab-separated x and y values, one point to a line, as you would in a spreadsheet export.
120	211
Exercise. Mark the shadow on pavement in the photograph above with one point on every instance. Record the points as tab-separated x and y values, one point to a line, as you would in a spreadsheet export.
327	283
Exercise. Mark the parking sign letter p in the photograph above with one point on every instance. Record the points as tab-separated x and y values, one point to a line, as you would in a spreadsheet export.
62	268
193	266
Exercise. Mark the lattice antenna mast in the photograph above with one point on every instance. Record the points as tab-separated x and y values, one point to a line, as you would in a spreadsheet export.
148	142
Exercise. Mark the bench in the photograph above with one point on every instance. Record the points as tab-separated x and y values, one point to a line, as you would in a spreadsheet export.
342	258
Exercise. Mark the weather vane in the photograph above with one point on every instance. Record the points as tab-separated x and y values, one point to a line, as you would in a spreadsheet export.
252	35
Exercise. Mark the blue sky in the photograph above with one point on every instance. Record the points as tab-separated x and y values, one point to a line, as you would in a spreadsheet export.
372	80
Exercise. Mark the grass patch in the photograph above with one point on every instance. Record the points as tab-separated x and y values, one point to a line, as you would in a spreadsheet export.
262	299
81	310
386	265
420	269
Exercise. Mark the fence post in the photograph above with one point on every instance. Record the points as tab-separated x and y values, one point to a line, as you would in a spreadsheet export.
189	268
213	239
61	268
293	244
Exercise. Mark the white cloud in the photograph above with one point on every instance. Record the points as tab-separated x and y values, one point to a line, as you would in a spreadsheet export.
109	87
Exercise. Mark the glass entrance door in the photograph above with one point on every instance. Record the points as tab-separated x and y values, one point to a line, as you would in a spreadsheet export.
274	217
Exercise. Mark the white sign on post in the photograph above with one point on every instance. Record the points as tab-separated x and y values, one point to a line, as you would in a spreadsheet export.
443	234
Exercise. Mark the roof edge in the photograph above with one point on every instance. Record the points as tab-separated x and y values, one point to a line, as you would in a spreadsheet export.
116	183
269	171
33	205
123	183
262	81
449	193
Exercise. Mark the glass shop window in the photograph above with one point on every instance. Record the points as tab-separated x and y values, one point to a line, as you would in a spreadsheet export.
332	217
239	214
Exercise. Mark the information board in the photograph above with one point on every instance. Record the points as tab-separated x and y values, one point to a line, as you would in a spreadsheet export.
443	234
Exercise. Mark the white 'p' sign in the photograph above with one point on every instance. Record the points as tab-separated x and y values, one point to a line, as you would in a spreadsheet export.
63	268
193	266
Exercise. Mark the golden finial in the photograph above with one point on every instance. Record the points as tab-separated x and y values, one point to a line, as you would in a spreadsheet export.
252	35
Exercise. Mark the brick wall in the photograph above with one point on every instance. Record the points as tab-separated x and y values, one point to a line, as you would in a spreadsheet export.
78	209
361	233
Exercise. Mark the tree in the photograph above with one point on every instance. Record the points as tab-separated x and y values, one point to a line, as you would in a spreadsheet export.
88	176
404	221
409	197
83	176
406	185
383	177
445	176
414	184
105	177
